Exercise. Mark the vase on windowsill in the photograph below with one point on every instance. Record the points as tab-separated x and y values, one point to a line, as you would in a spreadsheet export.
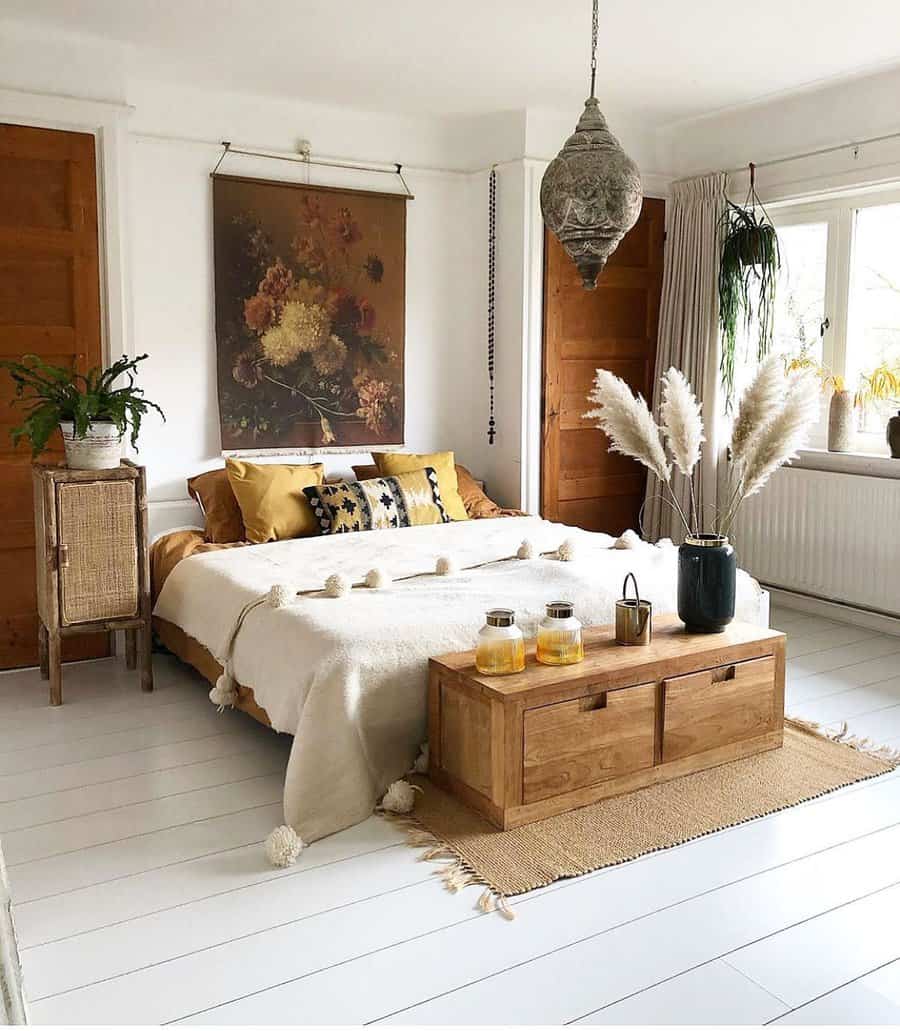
840	421
893	435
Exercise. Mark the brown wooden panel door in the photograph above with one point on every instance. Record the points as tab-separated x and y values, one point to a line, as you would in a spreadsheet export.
613	327
49	306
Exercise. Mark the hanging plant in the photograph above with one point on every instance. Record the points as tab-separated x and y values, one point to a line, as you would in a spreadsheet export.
748	273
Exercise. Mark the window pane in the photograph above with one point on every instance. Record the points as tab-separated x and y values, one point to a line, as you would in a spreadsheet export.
800	296
874	327
799	300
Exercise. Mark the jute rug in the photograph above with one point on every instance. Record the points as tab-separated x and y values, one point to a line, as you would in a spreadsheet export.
615	830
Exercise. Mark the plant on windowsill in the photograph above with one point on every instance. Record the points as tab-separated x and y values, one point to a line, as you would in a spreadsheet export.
882	384
773	418
841	406
749	261
90	410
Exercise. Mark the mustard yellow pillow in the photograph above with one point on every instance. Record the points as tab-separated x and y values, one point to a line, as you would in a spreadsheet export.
392	463
271	499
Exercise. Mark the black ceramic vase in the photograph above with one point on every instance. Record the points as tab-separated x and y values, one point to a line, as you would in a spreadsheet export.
707	574
893	435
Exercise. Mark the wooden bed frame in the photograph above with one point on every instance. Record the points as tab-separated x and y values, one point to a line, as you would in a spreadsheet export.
194	654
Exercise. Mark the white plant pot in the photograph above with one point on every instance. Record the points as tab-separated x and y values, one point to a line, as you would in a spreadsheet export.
100	448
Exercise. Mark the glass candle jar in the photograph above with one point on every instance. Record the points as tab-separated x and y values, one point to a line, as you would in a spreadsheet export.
501	646
559	638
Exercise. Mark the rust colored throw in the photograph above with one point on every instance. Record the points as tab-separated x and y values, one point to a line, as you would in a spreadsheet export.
617	829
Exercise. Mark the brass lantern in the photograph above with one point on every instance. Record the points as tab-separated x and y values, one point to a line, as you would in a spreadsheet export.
591	193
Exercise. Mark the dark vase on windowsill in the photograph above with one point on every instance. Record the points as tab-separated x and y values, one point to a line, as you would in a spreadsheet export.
707	575
893	435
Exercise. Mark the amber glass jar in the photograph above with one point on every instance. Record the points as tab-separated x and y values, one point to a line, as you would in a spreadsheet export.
501	646
559	636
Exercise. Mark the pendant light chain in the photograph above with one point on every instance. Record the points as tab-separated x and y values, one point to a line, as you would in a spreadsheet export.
492	270
595	26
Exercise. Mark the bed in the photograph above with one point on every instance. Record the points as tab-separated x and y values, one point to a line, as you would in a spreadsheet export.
346	676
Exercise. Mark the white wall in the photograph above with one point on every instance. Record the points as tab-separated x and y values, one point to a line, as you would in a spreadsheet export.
780	127
173	314
159	178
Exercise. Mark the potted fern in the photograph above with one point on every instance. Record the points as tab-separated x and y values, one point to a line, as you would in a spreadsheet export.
92	412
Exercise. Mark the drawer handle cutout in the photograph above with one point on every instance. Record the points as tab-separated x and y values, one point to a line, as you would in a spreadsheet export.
723	673
594	702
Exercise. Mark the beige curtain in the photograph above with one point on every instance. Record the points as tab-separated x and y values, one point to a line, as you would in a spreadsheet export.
689	338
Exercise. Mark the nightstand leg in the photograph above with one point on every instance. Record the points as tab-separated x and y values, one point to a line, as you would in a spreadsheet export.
145	656
43	656
54	663
131	649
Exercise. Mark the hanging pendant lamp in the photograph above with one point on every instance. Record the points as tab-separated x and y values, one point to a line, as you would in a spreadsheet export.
591	193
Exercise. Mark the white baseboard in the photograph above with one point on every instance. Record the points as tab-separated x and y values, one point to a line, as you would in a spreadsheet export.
883	622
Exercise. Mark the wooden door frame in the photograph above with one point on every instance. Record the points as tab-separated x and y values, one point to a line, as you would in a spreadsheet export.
106	123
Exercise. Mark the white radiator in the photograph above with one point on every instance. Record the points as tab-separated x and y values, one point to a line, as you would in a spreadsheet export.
831	535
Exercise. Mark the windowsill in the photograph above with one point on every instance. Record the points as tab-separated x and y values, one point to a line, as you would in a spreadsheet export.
855	463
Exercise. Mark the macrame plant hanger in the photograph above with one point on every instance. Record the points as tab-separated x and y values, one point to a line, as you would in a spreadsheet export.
492	270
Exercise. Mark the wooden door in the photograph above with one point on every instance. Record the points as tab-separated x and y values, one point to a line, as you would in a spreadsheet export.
49	306
613	327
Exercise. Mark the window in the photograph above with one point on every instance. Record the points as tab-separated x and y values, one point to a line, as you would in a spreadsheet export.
873	335
838	301
800	295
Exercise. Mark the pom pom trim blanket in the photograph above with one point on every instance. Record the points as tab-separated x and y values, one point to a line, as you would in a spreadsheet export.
347	675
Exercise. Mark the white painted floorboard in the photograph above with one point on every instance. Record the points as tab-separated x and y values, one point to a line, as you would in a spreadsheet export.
871	999
132	827
714	993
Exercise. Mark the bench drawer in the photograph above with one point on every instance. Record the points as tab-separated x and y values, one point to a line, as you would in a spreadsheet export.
718	707
574	744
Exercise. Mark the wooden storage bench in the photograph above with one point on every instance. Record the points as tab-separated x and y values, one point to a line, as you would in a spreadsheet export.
533	744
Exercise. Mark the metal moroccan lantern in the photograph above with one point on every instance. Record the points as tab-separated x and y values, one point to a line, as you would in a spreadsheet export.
591	193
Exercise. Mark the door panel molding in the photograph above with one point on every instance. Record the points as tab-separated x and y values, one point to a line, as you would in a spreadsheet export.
613	327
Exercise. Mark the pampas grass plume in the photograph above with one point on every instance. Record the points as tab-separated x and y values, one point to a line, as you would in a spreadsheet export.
681	420
777	442
759	404
626	420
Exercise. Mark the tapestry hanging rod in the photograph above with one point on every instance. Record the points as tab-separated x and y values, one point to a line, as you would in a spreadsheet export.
304	158
853	145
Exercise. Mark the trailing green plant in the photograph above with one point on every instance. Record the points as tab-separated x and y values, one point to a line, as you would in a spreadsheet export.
51	394
748	273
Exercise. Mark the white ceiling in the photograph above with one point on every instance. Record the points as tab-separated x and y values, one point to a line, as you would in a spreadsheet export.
662	60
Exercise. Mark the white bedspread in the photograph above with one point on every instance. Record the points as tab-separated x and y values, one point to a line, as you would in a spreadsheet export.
347	676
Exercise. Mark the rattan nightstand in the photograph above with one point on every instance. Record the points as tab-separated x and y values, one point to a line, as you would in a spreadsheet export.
93	567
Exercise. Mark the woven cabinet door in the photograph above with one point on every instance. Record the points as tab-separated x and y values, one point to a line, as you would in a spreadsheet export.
98	579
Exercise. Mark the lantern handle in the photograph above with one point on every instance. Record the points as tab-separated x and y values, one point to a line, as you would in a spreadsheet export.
637	593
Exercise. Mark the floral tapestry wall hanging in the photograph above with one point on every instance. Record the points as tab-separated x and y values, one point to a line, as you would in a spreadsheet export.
310	313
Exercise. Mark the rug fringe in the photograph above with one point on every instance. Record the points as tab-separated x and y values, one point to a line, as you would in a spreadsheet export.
842	736
455	873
